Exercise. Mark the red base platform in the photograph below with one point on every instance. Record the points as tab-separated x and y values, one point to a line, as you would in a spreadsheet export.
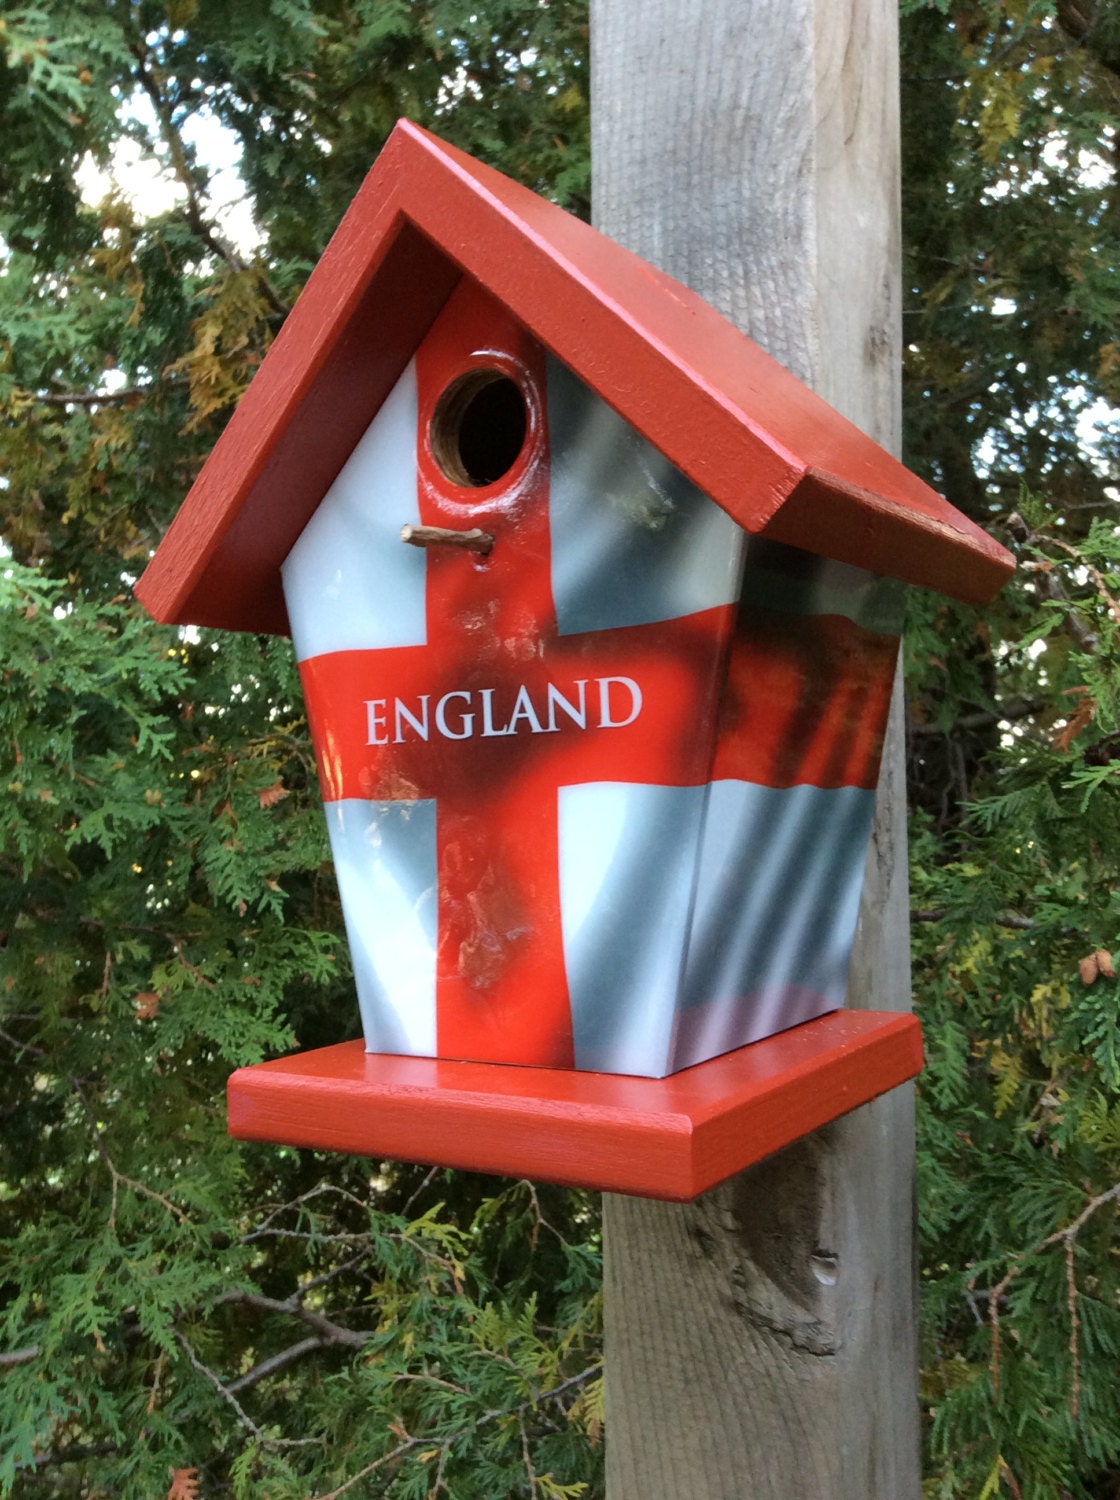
669	1138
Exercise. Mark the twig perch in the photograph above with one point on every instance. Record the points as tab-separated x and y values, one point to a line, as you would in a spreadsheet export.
444	536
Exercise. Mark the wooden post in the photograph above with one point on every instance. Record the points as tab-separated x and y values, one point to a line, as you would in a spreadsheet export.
761	1343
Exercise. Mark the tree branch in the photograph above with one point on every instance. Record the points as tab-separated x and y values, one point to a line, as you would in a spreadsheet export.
100	398
197	219
1099	581
342	1238
119	1179
1005	919
242	1415
274	1364
19	1357
70	1455
450	1439
1065	1237
304	1287
1049	586
317	1191
208	1375
1019	708
180	165
326	1335
327	1331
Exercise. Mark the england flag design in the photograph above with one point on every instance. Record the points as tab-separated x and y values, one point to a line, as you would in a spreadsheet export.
601	799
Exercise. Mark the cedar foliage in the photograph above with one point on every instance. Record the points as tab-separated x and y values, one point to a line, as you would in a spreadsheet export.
1012	311
181	1314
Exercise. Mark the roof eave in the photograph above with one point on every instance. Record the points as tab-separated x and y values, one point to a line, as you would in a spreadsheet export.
744	430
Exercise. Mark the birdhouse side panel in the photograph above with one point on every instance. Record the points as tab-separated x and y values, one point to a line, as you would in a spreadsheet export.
774	916
788	814
627	876
809	673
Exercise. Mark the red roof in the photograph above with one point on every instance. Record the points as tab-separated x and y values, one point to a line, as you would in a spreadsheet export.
749	434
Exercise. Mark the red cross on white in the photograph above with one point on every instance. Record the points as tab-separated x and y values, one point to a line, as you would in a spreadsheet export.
427	721
497	710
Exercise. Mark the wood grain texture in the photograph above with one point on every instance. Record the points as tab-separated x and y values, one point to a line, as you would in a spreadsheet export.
670	1138
761	1343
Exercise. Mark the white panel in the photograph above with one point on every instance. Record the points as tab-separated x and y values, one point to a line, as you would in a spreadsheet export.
627	860
633	541
350	583
385	859
775	912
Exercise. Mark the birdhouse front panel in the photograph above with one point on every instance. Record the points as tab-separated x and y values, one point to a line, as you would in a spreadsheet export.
599	795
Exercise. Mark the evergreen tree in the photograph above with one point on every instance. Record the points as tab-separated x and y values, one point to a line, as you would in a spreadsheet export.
182	1314
1012	313
288	1324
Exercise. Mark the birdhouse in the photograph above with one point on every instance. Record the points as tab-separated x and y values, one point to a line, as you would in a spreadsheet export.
597	610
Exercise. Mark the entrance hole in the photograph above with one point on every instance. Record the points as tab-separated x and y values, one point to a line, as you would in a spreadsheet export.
478	428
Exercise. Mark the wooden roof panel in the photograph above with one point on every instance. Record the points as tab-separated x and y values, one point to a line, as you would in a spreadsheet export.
749	434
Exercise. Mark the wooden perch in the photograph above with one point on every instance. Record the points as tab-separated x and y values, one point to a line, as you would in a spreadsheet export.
443	536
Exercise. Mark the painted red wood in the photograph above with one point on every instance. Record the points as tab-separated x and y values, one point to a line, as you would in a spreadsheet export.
750	435
322	382
670	1138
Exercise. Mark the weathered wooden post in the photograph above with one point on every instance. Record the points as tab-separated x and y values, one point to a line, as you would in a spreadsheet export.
761	1342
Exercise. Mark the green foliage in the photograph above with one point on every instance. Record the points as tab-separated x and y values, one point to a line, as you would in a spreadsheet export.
1013	301
180	1313
388	1347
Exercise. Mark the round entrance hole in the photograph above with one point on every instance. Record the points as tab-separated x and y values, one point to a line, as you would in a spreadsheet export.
478	428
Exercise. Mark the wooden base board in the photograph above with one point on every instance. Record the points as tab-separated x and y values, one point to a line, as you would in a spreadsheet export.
670	1138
